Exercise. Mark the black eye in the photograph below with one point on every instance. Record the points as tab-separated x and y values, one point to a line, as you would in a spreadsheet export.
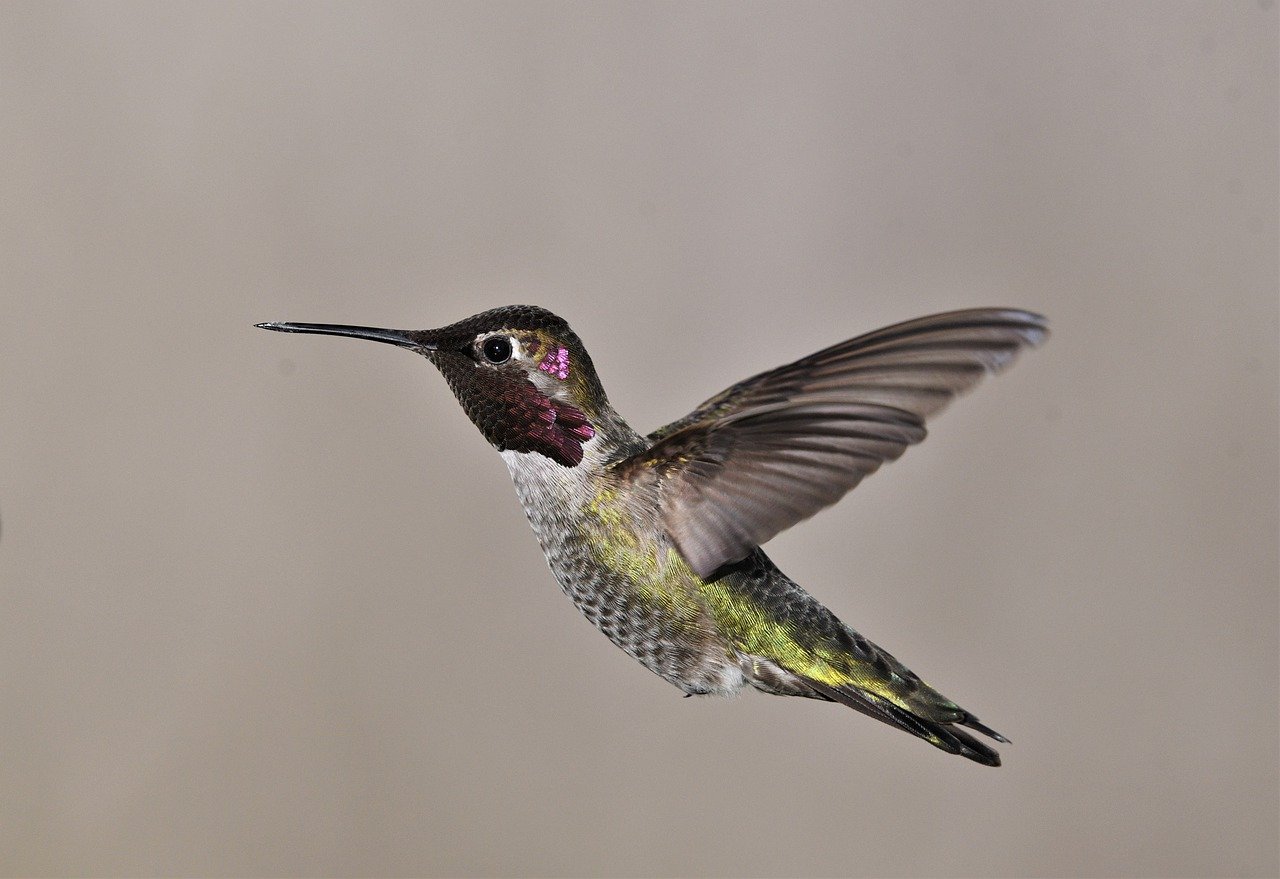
497	349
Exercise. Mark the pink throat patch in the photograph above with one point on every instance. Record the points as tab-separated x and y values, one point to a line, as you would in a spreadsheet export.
556	363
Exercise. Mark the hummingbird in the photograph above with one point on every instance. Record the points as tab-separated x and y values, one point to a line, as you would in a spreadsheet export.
657	538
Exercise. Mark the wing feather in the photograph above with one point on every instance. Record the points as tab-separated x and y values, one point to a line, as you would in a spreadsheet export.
776	448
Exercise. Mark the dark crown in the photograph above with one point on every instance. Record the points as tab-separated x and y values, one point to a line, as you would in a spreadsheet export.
509	317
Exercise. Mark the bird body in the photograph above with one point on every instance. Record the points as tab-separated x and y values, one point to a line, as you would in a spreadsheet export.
656	539
621	574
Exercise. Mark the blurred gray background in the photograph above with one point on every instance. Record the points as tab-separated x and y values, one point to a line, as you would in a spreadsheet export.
268	604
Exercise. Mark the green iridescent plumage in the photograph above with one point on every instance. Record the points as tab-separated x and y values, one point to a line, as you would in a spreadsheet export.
657	539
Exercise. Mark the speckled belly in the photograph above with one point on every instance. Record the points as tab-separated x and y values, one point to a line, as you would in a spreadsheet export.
623	577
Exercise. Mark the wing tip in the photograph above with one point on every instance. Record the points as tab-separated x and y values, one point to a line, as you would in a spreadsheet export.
1032	327
1036	329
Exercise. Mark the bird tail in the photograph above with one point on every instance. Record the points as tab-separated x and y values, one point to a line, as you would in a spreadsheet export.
941	735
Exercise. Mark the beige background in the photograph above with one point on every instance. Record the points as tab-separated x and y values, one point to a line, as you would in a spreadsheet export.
268	605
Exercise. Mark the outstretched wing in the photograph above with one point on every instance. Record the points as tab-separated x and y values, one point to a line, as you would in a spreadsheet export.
776	448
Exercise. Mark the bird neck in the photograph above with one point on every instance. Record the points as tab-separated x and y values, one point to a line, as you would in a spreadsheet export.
550	491
615	438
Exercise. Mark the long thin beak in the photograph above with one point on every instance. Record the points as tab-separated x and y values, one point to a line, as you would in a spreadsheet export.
402	338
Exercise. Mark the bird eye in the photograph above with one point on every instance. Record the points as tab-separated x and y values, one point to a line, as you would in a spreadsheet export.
497	349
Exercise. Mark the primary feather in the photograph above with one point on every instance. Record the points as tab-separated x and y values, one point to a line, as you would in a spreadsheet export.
778	447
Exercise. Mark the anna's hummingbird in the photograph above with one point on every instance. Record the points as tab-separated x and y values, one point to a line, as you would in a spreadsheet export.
657	538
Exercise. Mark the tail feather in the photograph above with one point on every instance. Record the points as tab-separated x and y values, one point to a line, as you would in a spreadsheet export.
941	735
974	724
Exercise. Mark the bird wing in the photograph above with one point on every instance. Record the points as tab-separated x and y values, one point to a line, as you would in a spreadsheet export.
780	446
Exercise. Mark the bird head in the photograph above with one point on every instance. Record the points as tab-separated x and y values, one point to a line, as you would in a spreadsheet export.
520	373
